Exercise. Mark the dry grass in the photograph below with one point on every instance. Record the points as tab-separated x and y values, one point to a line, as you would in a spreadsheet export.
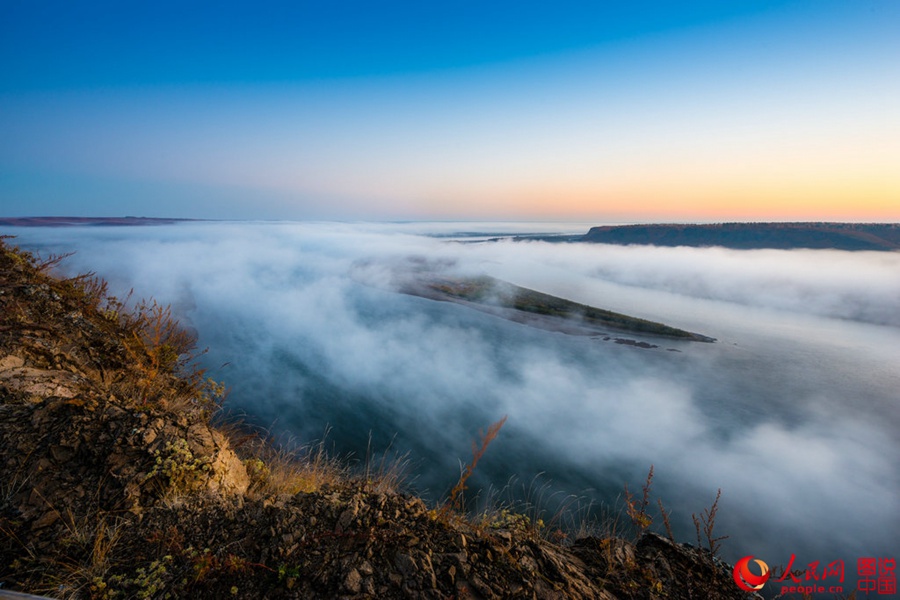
641	520
277	470
46	264
541	511
89	544
456	501
637	509
11	487
162	355
289	468
389	473
705	524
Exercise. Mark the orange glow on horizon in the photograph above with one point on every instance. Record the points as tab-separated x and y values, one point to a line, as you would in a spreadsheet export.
652	201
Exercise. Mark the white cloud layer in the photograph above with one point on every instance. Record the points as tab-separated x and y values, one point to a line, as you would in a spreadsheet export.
792	412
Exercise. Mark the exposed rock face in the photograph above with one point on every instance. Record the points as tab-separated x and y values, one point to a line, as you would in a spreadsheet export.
113	484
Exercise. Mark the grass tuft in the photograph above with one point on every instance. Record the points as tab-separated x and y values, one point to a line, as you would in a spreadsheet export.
390	473
277	470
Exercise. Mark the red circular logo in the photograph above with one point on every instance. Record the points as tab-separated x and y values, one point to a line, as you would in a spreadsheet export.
745	579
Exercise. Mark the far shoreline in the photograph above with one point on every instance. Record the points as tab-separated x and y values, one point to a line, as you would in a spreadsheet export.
751	235
90	221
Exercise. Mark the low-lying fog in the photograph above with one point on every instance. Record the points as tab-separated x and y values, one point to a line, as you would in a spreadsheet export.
793	413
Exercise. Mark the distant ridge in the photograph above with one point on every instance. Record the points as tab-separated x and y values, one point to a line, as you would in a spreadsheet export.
73	221
748	236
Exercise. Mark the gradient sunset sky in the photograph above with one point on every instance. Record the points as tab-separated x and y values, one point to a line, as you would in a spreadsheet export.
602	111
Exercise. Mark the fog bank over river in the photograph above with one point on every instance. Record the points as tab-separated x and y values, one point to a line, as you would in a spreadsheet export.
793	412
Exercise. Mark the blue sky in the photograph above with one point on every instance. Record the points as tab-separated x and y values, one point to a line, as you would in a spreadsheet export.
412	110
60	45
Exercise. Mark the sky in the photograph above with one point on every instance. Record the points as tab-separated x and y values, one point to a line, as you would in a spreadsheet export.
590	111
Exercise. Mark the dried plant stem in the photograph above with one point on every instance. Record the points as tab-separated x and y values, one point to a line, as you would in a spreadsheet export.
705	523
455	502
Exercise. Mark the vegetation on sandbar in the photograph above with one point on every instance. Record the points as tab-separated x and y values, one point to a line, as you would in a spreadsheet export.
488	291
